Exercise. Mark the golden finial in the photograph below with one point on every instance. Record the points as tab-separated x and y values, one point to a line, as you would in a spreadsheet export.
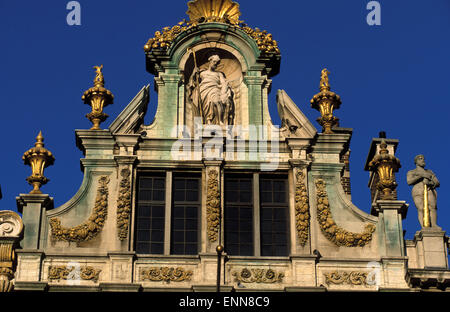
38	158
326	102
98	98
385	165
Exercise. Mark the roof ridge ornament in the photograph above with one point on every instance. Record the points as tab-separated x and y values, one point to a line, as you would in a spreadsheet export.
214	11
326	102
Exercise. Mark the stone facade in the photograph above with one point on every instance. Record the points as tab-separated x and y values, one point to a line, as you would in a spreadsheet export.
89	243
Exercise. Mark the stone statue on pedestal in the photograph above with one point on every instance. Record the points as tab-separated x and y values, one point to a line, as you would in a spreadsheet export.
211	94
424	192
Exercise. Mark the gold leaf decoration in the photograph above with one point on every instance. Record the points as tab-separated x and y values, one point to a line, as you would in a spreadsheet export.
351	278
332	232
266	276
92	227
73	273
214	11
164	38
124	205
213	205
302	209
166	274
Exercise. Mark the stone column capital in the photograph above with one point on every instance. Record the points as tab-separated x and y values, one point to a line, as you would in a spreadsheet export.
382	205
42	199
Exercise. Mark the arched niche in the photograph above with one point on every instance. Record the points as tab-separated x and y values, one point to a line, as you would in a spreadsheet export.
231	64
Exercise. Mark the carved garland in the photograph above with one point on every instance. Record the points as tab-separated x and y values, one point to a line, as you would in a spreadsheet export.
73	273
302	209
124	205
166	274
332	232
213	205
163	39
351	278
93	226
266	276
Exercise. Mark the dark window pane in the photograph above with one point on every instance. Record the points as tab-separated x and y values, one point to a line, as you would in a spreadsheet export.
150	215
186	204
143	223
239	215
266	197
146	183
274	208
159	184
246	197
157	236
192	196
158	212
157	248
191	224
143	235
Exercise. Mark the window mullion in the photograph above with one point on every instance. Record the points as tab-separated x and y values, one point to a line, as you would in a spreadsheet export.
256	216
168	213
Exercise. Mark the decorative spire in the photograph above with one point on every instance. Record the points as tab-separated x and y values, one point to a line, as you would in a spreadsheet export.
38	158
98	98
326	102
385	165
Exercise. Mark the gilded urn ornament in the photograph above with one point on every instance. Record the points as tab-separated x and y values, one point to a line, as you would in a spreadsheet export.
38	158
385	165
326	102
98	97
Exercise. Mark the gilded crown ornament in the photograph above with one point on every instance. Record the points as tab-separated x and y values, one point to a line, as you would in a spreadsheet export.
326	102
38	158
98	97
385	165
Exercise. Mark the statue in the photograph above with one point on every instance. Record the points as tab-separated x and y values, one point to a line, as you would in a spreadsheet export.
211	94
324	80
99	80
424	192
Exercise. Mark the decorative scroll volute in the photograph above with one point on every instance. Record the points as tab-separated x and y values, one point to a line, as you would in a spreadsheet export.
213	205
350	278
265	276
11	228
302	215
86	273
166	274
93	226
331	230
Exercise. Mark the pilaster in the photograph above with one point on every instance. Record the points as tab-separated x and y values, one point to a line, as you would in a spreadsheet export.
391	213
33	208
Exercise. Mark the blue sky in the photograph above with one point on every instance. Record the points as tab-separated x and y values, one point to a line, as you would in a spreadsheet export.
392	77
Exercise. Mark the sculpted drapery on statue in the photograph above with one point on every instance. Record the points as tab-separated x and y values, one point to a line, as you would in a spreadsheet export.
211	95
424	192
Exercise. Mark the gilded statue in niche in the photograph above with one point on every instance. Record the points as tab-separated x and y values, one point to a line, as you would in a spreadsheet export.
210	93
